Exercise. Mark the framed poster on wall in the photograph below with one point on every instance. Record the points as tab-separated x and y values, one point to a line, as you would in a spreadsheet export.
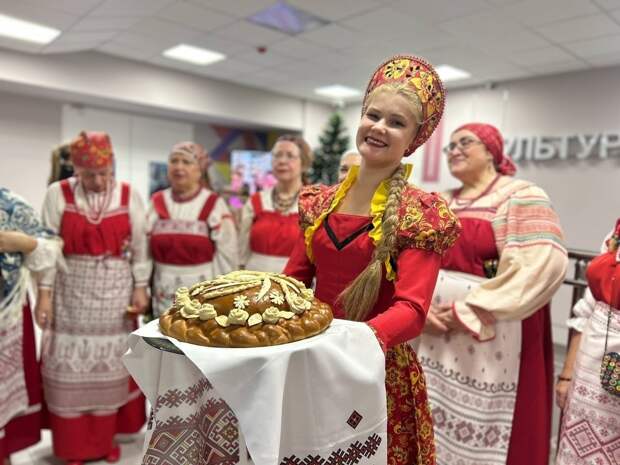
158	177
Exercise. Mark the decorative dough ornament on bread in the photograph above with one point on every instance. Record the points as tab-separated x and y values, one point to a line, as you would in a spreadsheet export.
245	309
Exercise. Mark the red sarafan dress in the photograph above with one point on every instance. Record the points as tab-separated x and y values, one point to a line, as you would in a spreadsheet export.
490	387
88	391
191	240
590	430
267	236
338	247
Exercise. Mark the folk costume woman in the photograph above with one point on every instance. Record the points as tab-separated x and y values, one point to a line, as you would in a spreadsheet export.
192	232
102	222
487	347
590	422
374	243
269	219
25	246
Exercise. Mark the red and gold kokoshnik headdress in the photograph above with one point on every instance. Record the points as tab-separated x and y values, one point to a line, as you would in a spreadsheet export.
424	80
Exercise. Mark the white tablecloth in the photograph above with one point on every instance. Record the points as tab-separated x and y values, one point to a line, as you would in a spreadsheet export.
320	401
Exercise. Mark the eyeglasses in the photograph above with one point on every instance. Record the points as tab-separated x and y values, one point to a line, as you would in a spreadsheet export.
463	144
287	156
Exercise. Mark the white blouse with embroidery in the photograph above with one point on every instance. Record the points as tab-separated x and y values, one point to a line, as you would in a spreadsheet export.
53	209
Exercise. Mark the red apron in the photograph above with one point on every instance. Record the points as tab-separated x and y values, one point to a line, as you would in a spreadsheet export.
87	388
182	249
272	237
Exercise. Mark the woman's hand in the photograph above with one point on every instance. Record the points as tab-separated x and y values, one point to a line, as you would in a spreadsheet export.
43	311
561	391
16	241
563	384
433	324
445	314
139	301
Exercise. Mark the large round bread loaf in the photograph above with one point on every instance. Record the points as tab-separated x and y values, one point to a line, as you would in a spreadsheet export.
245	309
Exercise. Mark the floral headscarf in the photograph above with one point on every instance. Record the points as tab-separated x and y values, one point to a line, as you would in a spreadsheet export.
193	150
92	150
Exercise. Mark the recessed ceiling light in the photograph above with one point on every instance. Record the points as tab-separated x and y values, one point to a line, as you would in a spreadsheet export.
450	73
337	91
191	54
26	30
286	18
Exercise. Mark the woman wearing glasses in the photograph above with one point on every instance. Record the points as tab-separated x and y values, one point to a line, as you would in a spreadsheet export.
269	219
487	348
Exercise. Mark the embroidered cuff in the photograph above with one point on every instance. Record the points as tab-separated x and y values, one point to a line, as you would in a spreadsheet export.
470	320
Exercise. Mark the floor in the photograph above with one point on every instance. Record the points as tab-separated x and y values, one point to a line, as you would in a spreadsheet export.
41	453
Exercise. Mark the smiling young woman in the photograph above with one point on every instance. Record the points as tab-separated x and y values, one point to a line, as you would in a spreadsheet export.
374	243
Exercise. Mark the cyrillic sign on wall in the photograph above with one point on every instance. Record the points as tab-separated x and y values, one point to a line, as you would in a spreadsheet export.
580	147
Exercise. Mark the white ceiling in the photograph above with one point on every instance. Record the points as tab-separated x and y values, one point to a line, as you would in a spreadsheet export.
494	40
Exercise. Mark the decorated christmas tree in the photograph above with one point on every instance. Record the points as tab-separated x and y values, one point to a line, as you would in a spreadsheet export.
334	142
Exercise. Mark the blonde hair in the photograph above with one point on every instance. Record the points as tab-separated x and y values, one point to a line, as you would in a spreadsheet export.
399	88
361	294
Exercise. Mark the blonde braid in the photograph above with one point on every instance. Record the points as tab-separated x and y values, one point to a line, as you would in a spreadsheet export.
361	295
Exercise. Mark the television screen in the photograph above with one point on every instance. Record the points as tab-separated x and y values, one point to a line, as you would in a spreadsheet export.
250	173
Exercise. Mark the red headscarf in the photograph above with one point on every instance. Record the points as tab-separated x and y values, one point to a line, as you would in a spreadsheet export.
91	150
494	142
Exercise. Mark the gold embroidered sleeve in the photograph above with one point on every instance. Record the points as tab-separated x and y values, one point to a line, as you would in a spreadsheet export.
313	200
426	222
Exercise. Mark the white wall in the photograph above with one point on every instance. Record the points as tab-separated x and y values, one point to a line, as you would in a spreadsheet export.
585	193
29	129
98	79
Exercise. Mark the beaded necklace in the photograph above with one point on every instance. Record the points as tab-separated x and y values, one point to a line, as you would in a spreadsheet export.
96	204
283	204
